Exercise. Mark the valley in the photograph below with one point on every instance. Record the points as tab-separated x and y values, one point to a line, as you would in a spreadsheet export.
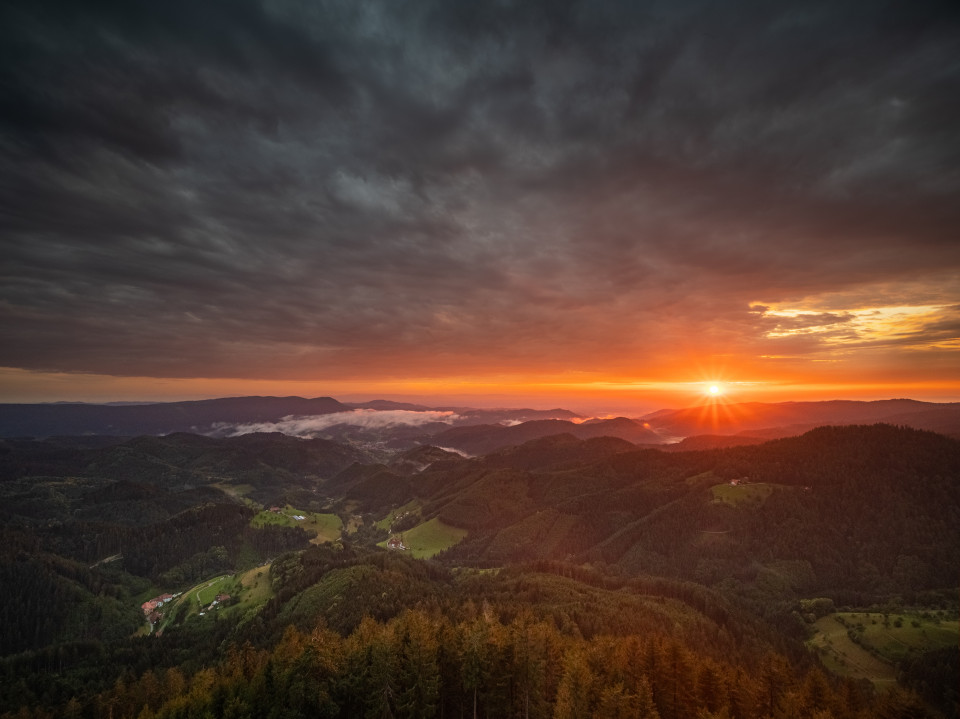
746	560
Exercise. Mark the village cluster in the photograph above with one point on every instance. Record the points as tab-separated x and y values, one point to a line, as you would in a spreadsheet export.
396	540
151	607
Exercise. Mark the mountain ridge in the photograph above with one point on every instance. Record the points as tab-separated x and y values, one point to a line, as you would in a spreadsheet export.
718	417
468	429
197	416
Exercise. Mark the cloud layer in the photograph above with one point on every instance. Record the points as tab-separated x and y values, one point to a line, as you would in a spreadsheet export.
343	190
314	425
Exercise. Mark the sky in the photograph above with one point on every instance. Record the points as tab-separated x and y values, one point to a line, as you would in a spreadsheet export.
541	201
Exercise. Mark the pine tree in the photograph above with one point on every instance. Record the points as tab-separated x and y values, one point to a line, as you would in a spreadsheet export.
473	660
646	707
530	643
419	676
774	677
576	687
674	682
816	693
711	693
615	703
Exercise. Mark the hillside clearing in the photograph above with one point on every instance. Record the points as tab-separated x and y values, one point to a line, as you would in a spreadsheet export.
326	526
844	657
737	494
895	637
208	591
870	644
430	538
255	587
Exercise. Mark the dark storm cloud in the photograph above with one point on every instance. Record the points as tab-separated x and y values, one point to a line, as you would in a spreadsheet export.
281	188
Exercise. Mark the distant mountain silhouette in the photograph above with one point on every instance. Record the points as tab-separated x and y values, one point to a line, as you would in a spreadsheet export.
45	420
514	415
386	404
793	418
476	431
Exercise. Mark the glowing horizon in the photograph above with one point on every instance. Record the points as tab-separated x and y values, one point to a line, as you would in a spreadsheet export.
517	219
19	386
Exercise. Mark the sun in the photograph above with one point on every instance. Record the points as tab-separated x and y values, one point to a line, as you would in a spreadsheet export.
714	390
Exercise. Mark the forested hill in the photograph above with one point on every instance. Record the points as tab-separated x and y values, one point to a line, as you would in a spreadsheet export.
793	418
268	462
867	508
594	579
860	508
420	641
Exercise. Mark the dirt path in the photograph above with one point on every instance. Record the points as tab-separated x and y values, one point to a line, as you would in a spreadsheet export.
111	558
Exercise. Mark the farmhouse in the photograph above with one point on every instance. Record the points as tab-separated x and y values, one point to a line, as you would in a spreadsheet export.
156	602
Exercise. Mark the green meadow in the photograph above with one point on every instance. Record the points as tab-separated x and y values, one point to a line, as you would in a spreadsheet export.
868	645
207	591
429	538
254	587
326	526
432	537
741	493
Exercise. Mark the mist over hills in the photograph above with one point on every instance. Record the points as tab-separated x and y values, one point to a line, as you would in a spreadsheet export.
382	421
399	425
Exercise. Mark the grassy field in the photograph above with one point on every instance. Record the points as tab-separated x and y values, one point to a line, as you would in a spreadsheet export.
741	493
427	539
354	522
843	656
326	526
896	637
207	591
881	643
255	587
